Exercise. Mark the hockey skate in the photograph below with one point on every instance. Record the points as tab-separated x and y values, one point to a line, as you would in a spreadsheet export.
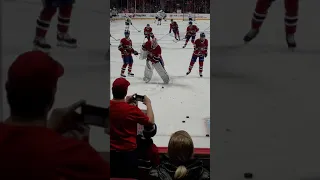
250	35
188	73
130	74
40	44
200	74
65	40
291	41
122	75
184	45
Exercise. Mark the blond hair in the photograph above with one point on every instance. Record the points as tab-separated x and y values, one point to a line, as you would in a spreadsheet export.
180	150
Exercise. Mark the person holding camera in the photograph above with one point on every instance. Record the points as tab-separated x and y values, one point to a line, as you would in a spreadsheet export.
32	146
124	118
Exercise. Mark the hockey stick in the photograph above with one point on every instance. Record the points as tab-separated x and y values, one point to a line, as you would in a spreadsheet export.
163	36
206	28
135	28
179	40
114	38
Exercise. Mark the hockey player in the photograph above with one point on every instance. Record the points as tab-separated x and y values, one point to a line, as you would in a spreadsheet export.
200	51
154	60
163	15
175	28
127	23
114	13
147	32
260	14
49	9
126	51
190	17
159	18
191	33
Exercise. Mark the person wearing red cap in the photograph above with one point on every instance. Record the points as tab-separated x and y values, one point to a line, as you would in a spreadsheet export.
31	146
124	118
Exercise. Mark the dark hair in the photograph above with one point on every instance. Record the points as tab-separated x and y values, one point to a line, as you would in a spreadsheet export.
118	94
30	103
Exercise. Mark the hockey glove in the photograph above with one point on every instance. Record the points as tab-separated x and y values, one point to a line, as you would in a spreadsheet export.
135	53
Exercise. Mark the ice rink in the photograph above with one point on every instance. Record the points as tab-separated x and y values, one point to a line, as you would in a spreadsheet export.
184	95
265	100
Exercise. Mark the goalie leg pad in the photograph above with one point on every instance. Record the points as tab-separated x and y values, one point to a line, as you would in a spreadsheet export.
162	72
148	72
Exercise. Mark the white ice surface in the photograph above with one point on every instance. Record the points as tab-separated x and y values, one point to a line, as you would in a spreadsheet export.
183	96
266	95
86	71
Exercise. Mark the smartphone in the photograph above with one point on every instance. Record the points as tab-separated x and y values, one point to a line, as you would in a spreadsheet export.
94	115
138	97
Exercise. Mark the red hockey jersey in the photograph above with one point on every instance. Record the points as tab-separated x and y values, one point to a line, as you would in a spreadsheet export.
154	51
174	26
126	47
192	30
200	47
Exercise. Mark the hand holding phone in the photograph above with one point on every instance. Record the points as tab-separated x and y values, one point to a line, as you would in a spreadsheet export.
138	97
94	115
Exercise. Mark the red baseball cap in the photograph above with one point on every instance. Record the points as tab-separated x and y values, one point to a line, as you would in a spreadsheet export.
120	84
34	69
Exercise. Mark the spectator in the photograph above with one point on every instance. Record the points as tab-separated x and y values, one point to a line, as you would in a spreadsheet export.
148	155
124	119
28	148
180	163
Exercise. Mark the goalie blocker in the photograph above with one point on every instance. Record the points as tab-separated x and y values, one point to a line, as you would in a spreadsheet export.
151	52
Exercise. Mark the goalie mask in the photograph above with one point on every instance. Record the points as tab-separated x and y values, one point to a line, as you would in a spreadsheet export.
154	43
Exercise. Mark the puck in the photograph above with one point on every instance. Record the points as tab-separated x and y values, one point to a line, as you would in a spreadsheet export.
162	87
183	121
187	116
207	135
248	175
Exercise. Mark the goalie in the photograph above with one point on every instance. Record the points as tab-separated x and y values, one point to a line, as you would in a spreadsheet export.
151	51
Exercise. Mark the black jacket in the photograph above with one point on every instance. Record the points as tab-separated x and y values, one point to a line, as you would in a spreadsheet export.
166	170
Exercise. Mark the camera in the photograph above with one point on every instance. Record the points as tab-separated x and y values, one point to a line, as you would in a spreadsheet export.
94	115
137	97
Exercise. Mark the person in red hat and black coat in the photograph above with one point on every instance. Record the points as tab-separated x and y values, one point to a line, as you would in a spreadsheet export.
124	118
